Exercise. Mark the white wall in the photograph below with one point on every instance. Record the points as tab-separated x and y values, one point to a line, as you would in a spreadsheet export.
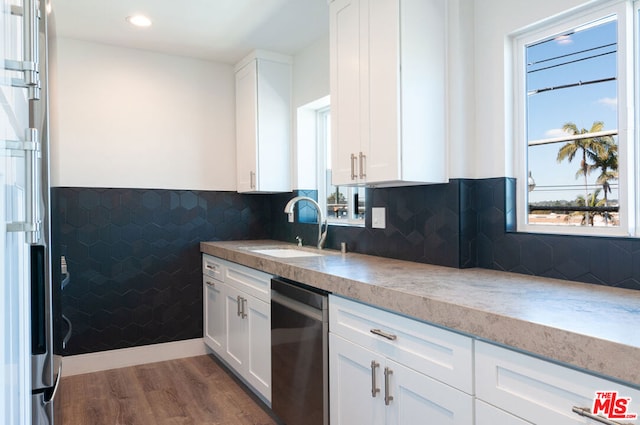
495	20
132	118
311	73
310	83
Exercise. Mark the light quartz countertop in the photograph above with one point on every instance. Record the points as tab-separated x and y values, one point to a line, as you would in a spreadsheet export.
590	327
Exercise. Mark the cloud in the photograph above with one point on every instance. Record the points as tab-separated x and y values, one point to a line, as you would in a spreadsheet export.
564	39
555	132
611	102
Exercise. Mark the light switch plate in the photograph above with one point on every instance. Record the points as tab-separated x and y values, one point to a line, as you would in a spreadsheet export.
378	218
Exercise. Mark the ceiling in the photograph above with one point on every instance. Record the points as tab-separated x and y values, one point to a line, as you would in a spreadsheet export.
219	30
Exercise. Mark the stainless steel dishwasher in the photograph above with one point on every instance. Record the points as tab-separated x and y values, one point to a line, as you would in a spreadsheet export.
299	353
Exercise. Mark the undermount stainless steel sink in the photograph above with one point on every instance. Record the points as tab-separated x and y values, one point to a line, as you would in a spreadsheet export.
284	252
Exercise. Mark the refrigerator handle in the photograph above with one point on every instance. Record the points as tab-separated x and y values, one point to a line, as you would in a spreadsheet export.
31	146
28	66
32	223
30	48
49	399
69	332
64	270
34	170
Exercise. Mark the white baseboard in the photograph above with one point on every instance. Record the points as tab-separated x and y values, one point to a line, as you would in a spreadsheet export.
114	359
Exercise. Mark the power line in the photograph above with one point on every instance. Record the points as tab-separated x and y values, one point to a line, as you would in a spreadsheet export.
571	54
566	86
573	61
571	186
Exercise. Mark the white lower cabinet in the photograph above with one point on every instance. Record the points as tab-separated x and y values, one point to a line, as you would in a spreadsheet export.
248	344
386	382
237	320
351	382
215	333
542	392
419	399
491	415
385	368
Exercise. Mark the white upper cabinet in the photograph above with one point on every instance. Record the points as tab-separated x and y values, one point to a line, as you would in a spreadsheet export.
388	91
263	123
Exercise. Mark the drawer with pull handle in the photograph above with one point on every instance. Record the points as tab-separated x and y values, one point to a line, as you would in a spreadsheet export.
209	281
433	351
213	267
543	392
246	279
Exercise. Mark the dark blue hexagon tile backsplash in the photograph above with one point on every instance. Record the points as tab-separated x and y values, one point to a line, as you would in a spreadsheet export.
134	254
134	259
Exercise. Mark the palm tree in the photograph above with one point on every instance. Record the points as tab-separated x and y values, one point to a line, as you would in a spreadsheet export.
608	166
587	146
592	201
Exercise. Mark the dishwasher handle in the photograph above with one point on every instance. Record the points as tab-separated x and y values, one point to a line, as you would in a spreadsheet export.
300	292
297	306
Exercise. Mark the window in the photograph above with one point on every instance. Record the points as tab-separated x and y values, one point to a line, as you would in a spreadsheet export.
574	145
343	205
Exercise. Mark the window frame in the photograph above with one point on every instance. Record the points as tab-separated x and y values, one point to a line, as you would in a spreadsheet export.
323	136
627	60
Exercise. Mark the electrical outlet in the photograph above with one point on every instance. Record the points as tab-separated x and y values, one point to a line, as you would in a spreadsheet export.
378	218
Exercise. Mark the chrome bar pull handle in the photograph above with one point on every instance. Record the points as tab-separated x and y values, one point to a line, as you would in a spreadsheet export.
252	179
586	412
374	387
383	334
243	314
239	305
354	174
210	283
387	397
363	163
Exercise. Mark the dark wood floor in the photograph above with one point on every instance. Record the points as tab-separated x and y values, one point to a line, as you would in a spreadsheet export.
195	390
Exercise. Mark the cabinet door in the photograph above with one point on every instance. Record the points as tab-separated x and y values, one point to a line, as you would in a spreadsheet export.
407	44
274	127
351	382
236	331
347	76
246	127
258	361
383	158
214	315
423	81
419	399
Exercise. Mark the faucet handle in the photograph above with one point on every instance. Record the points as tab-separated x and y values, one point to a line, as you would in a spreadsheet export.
299	239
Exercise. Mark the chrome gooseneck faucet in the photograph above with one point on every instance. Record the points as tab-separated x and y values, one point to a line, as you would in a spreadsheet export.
321	219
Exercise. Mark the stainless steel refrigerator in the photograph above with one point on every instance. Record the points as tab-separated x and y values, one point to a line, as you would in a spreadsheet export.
29	369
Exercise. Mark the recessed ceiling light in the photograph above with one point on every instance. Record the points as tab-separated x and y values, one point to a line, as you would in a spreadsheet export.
139	20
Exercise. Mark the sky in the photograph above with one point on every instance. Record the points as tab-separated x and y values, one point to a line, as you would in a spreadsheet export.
592	51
